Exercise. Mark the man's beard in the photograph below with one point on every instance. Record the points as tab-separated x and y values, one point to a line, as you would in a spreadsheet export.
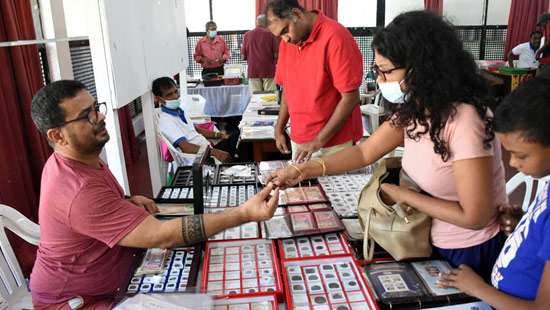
94	146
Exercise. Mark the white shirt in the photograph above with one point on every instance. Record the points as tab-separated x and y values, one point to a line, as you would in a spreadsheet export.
176	130
526	56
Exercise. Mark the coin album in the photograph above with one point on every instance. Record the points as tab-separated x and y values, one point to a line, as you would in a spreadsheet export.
326	283
406	285
344	183
429	272
332	244
302	195
180	271
249	230
221	177
224	196
183	177
243	267
175	194
344	203
302	224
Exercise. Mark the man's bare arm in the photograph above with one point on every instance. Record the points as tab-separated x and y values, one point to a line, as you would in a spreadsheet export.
189	230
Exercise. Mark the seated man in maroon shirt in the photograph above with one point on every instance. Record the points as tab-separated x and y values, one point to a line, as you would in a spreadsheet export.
87	228
320	69
260	51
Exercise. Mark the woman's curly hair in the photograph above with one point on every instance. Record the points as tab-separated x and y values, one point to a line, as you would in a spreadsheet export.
440	74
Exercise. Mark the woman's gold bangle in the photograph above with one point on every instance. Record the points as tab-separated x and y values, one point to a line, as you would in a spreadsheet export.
321	162
297	169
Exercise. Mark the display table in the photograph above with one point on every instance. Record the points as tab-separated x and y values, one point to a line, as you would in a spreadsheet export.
510	80
259	130
223	101
302	258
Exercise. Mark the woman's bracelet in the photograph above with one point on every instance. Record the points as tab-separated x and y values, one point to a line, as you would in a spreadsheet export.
321	162
301	173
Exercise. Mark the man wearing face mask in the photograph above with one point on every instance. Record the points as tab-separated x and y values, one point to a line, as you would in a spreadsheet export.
180	131
211	51
320	70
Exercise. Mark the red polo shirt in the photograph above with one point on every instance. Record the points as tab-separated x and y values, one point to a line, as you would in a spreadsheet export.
313	76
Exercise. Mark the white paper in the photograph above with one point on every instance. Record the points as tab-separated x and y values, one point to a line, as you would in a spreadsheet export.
166	302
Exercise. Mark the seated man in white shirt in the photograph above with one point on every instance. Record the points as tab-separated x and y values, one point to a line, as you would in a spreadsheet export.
526	52
180	131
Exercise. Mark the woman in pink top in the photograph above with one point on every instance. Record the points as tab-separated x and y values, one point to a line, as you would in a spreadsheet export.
441	116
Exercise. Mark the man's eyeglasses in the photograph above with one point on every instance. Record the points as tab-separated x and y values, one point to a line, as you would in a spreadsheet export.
376	71
92	116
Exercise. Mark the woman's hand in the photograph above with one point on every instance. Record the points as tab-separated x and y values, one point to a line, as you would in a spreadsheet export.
392	194
286	177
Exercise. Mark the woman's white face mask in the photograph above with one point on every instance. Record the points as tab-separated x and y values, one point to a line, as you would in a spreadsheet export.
392	92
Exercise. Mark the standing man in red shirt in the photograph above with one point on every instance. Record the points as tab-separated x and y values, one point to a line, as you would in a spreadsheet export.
260	51
320	70
211	51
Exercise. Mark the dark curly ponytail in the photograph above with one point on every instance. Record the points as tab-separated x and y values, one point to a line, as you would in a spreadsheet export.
440	74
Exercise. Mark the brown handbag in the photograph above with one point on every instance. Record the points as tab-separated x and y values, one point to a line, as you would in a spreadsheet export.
402	234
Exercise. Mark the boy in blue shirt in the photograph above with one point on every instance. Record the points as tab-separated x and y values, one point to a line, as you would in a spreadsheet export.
521	275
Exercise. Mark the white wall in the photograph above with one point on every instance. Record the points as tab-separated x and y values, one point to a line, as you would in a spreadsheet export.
234	14
76	18
470	12
464	12
362	13
498	12
396	7
357	13
197	13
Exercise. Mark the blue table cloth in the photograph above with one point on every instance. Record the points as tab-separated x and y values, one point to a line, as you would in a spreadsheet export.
225	100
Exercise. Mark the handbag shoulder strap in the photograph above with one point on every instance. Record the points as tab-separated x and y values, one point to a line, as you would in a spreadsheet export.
368	242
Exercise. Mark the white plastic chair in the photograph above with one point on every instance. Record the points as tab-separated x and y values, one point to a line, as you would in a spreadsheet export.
181	159
13	286
372	112
521	178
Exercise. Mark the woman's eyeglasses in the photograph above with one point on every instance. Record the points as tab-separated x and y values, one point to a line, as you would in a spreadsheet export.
376	71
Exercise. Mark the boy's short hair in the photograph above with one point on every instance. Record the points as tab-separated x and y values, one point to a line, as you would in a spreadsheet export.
526	110
161	84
